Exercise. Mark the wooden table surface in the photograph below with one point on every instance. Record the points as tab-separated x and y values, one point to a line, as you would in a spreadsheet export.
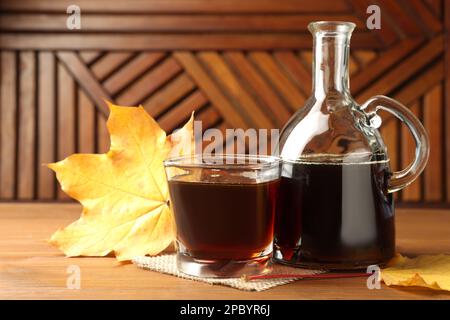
31	269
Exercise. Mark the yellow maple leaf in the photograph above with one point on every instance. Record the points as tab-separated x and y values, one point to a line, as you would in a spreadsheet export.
124	192
431	271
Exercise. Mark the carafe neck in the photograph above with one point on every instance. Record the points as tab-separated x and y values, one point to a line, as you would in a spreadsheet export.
331	57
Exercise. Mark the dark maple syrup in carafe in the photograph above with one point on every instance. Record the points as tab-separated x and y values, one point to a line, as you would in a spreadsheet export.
224	221
334	215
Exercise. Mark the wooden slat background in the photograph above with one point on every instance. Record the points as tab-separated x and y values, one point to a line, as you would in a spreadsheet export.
237	63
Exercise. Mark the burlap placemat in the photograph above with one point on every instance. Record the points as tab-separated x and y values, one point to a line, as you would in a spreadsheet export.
167	264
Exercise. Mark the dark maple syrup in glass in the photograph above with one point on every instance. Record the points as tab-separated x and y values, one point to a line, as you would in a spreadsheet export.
224	221
334	216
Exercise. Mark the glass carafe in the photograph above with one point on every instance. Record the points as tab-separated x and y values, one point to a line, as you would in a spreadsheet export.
336	207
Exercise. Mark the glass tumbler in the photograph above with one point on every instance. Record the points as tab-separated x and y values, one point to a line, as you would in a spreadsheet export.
224	208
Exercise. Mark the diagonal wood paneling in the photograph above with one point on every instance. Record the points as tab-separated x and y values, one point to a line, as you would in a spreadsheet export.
237	63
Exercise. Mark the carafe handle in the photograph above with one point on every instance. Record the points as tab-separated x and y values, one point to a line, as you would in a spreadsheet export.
403	178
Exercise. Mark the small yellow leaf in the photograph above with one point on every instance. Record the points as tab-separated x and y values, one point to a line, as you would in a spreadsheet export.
124	192
431	271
